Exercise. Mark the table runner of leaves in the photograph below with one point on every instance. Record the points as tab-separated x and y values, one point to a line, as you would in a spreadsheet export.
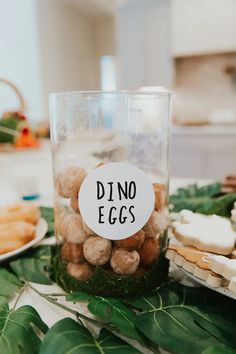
177	318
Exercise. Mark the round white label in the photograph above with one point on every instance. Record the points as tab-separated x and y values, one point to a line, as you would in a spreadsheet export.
116	200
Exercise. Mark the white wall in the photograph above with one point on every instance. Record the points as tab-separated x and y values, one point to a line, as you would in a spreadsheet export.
203	26
48	46
67	47
143	42
19	52
104	41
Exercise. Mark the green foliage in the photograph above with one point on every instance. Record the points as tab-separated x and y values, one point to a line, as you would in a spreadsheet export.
185	320
18	330
48	214
180	319
205	200
217	350
68	336
177	318
220	206
33	265
193	197
114	311
9	283
79	297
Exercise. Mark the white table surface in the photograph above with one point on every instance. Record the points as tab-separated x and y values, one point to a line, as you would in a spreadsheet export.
38	164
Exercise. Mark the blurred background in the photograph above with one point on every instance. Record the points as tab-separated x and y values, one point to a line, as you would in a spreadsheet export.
187	46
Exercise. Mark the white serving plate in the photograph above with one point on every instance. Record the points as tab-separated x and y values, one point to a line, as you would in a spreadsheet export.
220	290
41	230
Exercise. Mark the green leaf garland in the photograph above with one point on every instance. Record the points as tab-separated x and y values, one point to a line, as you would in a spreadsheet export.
32	266
69	337
195	198
9	283
182	321
18	330
114	311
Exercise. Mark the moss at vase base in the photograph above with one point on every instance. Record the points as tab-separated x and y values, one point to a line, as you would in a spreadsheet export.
106	283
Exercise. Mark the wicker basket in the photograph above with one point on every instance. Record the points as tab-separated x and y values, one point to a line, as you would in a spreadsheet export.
22	103
10	129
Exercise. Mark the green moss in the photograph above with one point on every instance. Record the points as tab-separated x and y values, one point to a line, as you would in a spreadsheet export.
106	283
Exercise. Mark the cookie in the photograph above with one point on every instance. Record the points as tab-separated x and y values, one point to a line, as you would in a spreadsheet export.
217	263
232	285
207	233
227	190
230	181
170	254
188	266
233	254
192	255
233	213
229	184
225	283
179	260
201	273
223	266
193	261
214	280
229	270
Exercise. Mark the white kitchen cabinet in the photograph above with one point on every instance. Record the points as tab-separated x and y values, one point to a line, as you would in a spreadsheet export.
143	43
203	27
204	152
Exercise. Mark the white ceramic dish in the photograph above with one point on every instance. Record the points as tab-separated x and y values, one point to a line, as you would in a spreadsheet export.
41	230
220	290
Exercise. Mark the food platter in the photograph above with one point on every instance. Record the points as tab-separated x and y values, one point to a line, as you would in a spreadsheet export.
221	290
41	230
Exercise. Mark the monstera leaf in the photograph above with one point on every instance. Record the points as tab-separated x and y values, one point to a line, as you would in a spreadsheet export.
81	296
184	320
68	336
114	311
18	330
220	206
194	197
205	200
9	283
33	266
217	350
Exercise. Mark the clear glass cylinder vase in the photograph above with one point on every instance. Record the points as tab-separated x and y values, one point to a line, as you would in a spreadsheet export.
111	174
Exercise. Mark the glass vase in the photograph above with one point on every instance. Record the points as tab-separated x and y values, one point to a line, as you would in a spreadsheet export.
111	174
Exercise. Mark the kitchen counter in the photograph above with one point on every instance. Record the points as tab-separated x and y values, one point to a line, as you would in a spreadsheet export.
204	130
203	151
